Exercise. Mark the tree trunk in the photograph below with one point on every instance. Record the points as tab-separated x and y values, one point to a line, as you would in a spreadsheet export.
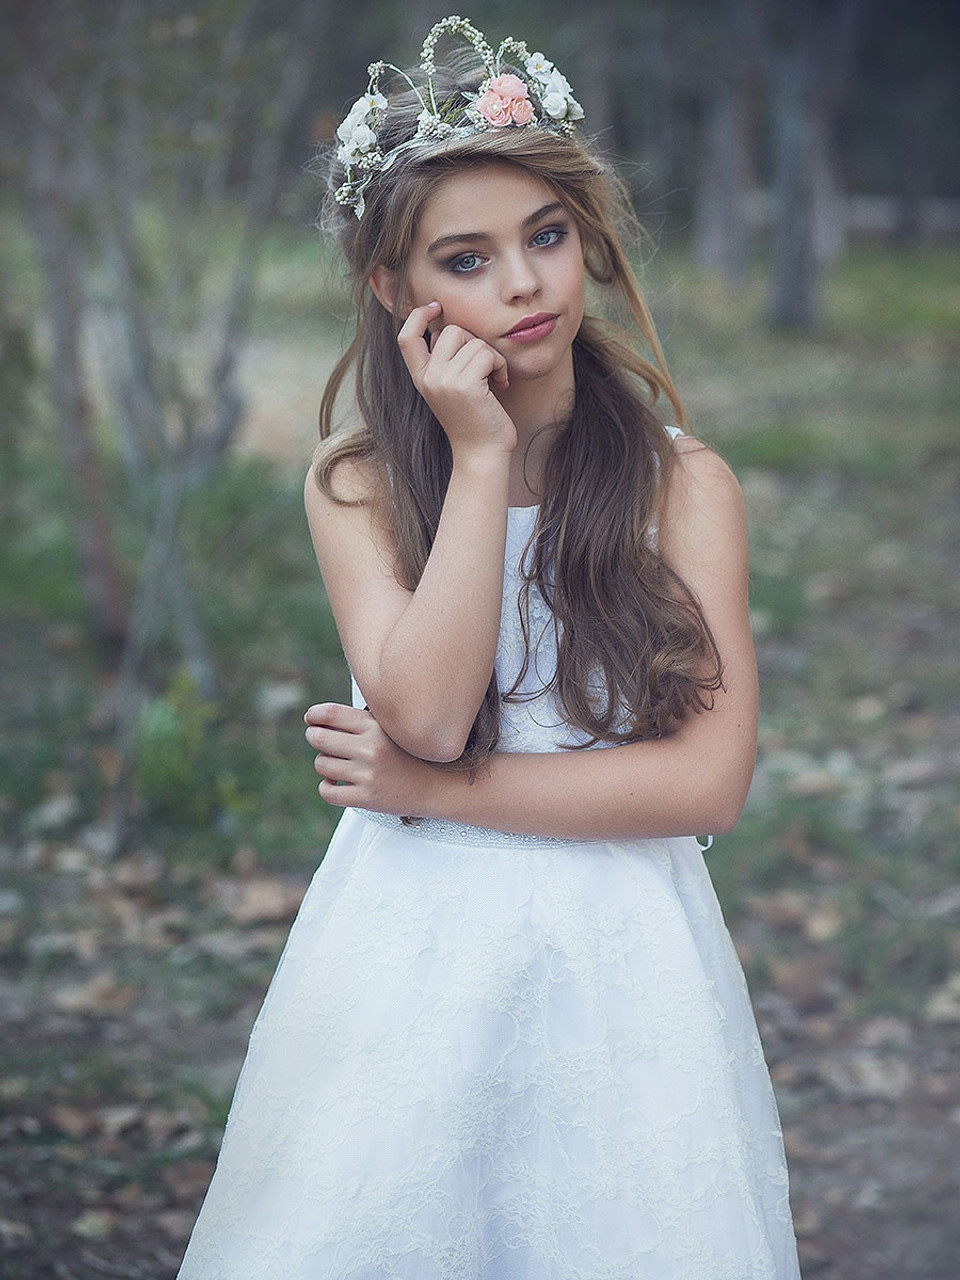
722	230
793	300
809	79
59	253
829	203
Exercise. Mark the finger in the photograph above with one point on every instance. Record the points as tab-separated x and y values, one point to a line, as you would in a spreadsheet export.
332	742
413	346
459	355
480	358
500	376
335	794
452	339
337	715
335	768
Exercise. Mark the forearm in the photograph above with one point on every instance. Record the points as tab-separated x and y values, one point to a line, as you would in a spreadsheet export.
435	662
669	787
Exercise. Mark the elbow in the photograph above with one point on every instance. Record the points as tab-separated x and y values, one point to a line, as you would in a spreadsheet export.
435	742
725	804
726	815
439	750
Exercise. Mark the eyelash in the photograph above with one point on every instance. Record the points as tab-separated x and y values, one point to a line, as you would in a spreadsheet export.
455	265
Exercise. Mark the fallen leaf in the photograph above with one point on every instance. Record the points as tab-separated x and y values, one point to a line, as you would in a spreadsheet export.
944	1004
54	813
799	1149
13	1234
863	1076
808	980
261	900
922	771
161	1125
100	994
814	1256
231	944
807	1221
188	1179
72	1121
115	1120
814	784
71	860
786	909
95	1224
176	1223
822	923
885	1031
14	1087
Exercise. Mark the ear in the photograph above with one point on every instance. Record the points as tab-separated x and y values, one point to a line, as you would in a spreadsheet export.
383	282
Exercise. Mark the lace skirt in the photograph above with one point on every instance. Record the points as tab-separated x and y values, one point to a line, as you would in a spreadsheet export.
484	1057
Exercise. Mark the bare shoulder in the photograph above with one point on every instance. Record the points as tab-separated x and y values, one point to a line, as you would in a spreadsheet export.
699	476
349	517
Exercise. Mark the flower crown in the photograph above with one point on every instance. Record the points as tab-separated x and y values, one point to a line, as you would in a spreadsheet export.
541	99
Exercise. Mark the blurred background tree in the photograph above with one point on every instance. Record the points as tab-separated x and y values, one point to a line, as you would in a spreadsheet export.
154	145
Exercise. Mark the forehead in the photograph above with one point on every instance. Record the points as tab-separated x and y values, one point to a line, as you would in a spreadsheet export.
482	198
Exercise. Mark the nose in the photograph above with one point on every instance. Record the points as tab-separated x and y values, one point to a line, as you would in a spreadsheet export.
519	279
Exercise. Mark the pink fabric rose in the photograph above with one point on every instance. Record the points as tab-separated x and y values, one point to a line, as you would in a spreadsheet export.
522	111
494	109
508	86
505	102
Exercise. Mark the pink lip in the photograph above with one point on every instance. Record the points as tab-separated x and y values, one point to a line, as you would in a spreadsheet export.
533	327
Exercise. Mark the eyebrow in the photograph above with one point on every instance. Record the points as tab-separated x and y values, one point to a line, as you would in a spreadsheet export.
482	237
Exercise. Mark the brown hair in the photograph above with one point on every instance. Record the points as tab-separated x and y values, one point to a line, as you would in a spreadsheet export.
634	652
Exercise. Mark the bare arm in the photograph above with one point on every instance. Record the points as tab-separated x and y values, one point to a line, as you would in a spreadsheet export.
424	658
694	781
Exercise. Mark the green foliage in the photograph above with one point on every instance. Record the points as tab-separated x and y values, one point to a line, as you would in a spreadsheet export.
879	292
788	447
173	766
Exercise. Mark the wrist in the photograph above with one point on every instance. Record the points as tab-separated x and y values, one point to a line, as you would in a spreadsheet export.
431	790
483	462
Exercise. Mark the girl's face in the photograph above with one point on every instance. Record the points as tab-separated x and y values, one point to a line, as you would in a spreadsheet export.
502	256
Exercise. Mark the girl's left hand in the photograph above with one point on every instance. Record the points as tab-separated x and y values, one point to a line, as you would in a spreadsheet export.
360	767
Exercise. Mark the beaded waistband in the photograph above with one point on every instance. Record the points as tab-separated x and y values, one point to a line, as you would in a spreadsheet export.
463	833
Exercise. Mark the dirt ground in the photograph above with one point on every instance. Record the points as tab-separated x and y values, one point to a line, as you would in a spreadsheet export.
122	1061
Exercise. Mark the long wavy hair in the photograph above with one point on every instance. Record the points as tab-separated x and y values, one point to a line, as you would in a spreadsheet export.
634	653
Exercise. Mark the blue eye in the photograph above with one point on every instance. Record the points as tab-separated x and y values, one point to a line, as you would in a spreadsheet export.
548	237
466	263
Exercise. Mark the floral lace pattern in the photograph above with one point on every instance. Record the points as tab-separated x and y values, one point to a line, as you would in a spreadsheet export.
502	1059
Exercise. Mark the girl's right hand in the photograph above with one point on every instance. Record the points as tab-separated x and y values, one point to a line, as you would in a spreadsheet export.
456	375
360	767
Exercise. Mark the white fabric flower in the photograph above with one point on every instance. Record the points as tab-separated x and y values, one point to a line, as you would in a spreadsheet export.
537	65
555	105
556	82
373	102
363	137
354	129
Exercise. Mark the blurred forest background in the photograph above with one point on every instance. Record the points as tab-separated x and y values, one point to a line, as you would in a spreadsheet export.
168	317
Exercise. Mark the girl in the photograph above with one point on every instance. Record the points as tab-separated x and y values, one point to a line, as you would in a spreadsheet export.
509	1037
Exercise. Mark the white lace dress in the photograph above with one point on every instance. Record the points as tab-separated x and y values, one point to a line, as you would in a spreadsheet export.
488	1057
